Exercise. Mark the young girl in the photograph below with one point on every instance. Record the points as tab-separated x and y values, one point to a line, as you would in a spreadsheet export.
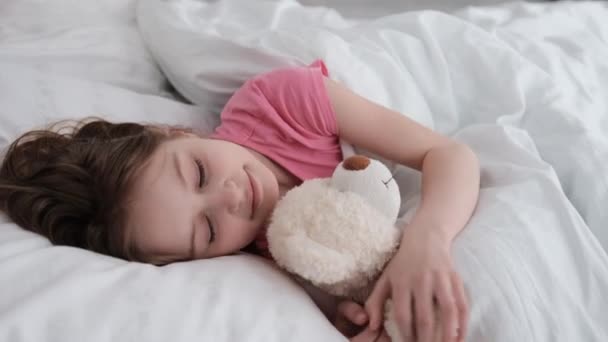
161	194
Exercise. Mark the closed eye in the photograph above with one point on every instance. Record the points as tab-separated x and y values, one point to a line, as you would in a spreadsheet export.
201	172
211	230
201	182
388	181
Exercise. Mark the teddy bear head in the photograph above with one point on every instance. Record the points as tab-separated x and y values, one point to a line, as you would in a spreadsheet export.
337	233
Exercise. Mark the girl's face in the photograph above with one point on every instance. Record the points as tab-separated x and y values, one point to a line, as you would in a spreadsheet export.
198	198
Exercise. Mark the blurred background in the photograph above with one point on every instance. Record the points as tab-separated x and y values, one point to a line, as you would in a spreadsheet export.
361	8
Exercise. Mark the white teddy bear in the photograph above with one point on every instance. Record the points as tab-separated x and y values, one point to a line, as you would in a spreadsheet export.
338	233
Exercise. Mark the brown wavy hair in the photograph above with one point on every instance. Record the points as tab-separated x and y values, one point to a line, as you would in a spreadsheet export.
69	183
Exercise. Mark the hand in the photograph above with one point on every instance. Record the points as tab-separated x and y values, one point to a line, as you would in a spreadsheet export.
425	290
369	335
350	320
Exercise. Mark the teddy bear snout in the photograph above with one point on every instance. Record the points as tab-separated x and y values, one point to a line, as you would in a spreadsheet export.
355	163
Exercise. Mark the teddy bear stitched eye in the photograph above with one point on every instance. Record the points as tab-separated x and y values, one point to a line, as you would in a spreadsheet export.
388	181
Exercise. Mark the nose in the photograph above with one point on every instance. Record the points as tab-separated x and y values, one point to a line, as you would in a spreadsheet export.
356	163
226	197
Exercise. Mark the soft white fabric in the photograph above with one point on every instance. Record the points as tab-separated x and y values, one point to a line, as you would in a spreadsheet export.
524	84
196	45
94	40
547	72
532	269
33	99
65	294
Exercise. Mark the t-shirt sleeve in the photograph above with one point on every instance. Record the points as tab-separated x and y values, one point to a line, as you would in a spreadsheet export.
290	101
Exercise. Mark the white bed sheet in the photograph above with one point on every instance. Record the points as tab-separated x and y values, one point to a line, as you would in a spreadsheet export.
533	106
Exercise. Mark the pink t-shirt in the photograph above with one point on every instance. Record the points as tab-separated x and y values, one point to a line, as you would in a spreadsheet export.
286	115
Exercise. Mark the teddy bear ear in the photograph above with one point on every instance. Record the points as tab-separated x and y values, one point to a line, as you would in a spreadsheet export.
356	162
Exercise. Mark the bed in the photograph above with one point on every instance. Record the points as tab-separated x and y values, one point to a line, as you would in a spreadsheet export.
524	84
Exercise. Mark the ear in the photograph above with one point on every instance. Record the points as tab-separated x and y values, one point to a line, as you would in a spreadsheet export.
176	131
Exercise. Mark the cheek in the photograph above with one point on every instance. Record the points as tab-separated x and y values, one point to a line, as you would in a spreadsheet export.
161	224
238	234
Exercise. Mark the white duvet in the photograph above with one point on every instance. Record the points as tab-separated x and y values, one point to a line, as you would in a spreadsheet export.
525	85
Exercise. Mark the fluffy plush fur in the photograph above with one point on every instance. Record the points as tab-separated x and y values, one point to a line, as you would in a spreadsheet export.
338	233
332	238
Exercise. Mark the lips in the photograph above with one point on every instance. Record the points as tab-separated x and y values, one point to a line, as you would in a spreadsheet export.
255	194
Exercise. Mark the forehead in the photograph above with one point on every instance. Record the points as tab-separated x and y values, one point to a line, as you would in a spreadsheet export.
159	167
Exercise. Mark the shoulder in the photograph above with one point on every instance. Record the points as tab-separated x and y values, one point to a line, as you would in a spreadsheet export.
293	96
381	130
291	80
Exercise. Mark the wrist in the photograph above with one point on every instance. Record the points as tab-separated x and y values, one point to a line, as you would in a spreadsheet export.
427	233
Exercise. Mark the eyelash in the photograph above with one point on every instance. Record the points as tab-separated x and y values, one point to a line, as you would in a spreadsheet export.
201	172
211	231
201	181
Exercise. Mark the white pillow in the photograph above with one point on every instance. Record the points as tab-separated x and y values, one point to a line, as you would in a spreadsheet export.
199	54
32	99
53	293
94	40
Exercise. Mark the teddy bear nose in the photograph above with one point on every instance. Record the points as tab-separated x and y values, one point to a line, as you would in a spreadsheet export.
356	162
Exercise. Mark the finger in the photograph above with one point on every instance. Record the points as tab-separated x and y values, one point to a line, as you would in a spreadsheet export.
403	313
461	305
383	337
367	335
345	327
424	313
375	303
447	307
353	312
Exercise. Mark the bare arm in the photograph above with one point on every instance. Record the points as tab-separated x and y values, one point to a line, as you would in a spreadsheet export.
421	272
450	170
